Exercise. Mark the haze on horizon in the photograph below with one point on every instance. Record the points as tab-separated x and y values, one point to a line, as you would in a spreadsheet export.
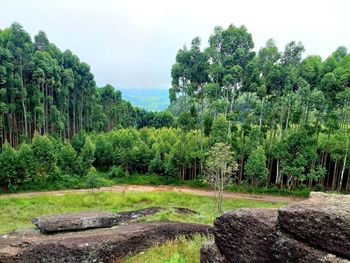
134	43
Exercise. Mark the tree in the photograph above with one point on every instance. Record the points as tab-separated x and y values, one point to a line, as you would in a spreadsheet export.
219	169
296	154
44	156
255	167
8	164
67	159
87	155
219	132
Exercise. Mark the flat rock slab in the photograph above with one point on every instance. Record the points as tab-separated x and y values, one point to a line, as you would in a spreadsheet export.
185	211
211	254
293	251
322	221
90	219
135	214
95	245
246	235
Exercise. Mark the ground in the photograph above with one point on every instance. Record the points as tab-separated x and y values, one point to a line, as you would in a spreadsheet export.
17	210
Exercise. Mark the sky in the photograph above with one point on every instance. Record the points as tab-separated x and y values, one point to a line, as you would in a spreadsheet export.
134	43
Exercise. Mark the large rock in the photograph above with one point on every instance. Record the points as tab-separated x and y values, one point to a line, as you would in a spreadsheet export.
246	235
211	254
293	251
322	221
90	219
95	245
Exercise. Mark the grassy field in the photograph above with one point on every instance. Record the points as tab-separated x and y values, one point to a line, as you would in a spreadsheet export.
102	179
17	212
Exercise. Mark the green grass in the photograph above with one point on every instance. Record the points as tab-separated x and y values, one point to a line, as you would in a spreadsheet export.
17	212
271	190
181	250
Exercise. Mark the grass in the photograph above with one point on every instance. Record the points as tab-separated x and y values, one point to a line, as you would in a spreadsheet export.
181	250
17	212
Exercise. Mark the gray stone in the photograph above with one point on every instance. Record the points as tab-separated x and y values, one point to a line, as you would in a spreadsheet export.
322	221
88	219
211	254
246	235
94	245
293	251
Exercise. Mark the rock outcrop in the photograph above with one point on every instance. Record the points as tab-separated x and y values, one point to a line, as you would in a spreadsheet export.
289	250
322	221
90	219
211	254
251	235
94	245
314	230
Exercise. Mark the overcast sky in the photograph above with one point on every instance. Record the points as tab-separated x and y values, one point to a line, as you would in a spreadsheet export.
134	43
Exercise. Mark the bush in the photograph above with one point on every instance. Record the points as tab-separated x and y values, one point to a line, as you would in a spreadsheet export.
318	188
93	180
68	181
116	172
302	187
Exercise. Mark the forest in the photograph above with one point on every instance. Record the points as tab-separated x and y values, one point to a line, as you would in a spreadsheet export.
284	116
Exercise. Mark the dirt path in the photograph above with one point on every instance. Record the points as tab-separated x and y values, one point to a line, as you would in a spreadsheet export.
145	188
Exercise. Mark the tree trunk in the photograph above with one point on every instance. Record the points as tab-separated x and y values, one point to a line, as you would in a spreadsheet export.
348	182
334	181
344	164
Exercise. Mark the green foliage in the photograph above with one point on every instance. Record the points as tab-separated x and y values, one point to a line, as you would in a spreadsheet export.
93	180
219	130
255	167
60	124
219	168
67	159
87	155
44	155
47	91
296	153
8	164
116	172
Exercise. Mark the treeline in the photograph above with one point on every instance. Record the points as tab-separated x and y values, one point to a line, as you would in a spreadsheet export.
295	109
168	152
284	117
46	91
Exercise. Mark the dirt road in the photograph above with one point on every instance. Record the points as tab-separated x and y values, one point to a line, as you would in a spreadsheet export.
145	188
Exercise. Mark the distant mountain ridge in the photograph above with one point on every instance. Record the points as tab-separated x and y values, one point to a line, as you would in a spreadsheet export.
153	99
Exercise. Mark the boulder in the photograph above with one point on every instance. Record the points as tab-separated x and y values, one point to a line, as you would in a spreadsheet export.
90	219
293	251
246	235
75	221
211	254
322	221
94	245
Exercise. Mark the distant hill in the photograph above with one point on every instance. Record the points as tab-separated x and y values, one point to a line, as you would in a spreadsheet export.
154	99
